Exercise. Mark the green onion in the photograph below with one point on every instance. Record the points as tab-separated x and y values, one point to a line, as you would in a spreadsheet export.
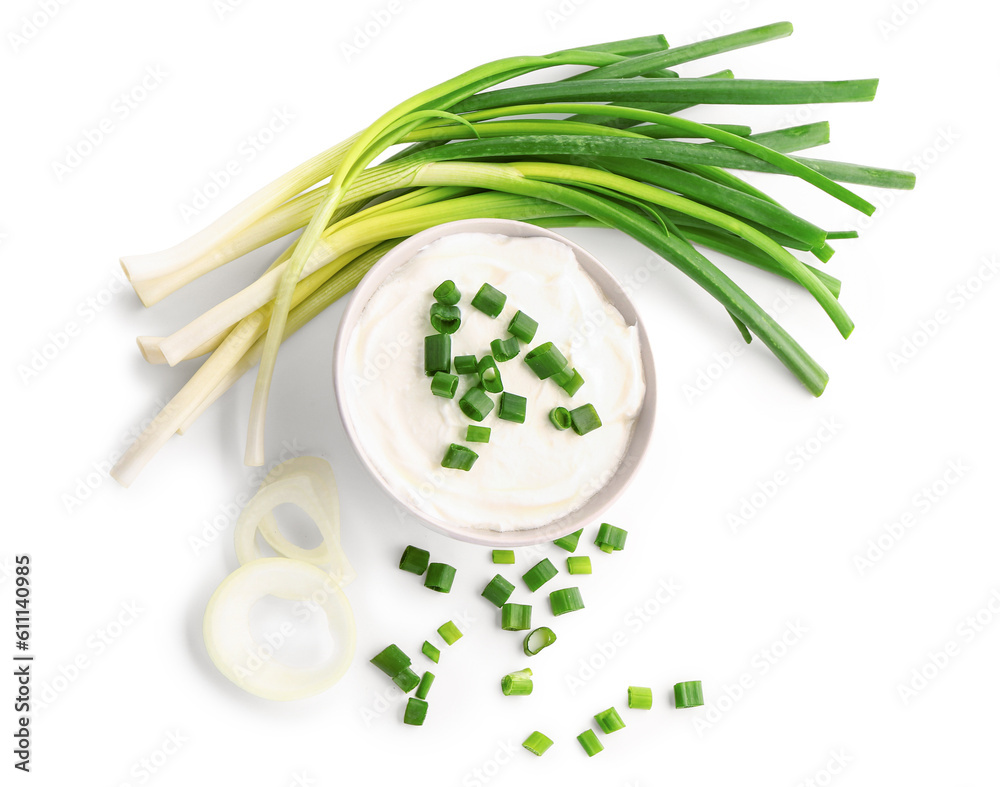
449	633
477	434
416	712
545	360
444	385
640	697
609	720
489	374
475	404
391	661
426	681
522	327
539	574
573	384
440	577
406	679
465	364
414	560
537	743
515	617
505	556
579	564
458	457
447	293
688	694
516	683
569	542
505	349
585	419
565	600
437	354
537	640
430	651
610	538
498	591
512	407
588	739
489	300
445	319
560	418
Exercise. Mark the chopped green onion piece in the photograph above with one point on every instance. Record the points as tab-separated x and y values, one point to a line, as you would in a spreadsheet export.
444	384
489	300
640	697
609	720
579	564
440	577
465	364
449	633
523	327
546	360
512	407
569	542
426	681
458	457
498	591
437	354
537	743
431	652
515	617
414	560
573	384
391	661
588	739
505	349
688	694
516	683
406	679
416	712
489	375
560	418
505	556
475	404
585	419
565	600
563	377
537	640
539	574
477	434
445	319
610	538
447	293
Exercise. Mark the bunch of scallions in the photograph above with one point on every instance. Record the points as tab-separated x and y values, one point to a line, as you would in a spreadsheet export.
618	155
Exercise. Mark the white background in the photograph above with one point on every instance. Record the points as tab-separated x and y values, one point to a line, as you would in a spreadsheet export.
117	684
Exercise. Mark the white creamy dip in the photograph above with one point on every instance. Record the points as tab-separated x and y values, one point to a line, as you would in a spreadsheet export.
528	474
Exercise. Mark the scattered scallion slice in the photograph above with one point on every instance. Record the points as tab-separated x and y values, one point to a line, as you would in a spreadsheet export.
563	377
416	712
477	434
579	564
449	633
515	617
545	360
437	354
415	560
609	721
516	683
406	679
537	640
505	349
688	694
504	556
512	407
565	600
574	383
585	419
523	327
610	538
640	697
426	681
476	404
498	591
569	542
447	293
539	574
391	660
537	743
560	418
458	457
588	739
445	319
489	374
430	651
440	577
444	385
489	300
465	364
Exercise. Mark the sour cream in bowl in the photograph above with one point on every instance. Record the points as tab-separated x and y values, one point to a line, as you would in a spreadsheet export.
532	482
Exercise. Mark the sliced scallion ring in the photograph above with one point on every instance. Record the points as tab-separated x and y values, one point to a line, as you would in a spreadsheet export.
545	360
537	640
447	293
445	319
560	418
505	349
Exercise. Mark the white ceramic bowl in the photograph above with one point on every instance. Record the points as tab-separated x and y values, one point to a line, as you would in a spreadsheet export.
612	290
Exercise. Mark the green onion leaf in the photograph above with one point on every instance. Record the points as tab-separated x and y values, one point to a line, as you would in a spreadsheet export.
444	385
545	360
416	712
489	300
512	407
585	419
489	374
560	418
465	364
610	538
445	319
609	720
515	617
537	743
573	384
475	404
539	574
588	739
391	661
569	542
522	327
449	633
426	681
458	457
505	349
579	564
447	293
414	560
565	600
406	679
477	434
437	354
498	591
505	556
430	651
440	577
640	697
688	694
516	683
537	640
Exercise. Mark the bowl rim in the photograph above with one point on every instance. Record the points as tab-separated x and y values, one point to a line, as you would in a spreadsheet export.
610	287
